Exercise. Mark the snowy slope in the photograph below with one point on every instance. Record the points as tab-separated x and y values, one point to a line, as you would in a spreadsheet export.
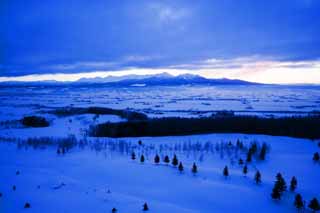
89	174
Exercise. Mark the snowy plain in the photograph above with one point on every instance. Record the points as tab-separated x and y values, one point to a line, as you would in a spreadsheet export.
101	175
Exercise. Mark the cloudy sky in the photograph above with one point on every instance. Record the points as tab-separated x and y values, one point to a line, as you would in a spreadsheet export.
274	41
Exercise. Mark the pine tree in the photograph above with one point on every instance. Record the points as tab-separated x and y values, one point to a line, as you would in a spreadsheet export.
142	159
14	188
293	183
281	183
245	170
114	210
316	157
145	207
175	160
140	142
225	171
133	156
180	167
298	202
27	205
263	152
58	151
276	195
194	168
166	159
157	159
240	161
249	156
314	205
257	177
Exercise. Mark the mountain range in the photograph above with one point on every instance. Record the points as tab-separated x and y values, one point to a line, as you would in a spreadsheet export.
142	80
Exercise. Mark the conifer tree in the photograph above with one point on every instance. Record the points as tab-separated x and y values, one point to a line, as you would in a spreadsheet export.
58	151
142	159
140	142
194	168
298	202
175	160
27	205
316	157
245	170
257	177
180	167
293	183
225	171
240	161
314	205
166	159
281	183
157	159
276	195
133	156
263	152
145	207
114	210
249	156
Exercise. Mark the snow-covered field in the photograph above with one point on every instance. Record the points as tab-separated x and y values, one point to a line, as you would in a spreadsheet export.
164	101
100	175
98	179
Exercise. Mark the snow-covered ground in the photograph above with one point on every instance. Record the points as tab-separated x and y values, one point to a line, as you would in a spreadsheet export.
101	175
96	180
164	101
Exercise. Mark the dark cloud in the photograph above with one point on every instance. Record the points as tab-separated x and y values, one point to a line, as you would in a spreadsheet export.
36	36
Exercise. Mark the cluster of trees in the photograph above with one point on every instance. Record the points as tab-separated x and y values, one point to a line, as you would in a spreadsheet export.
126	114
254	151
304	127
257	176
175	162
34	121
280	187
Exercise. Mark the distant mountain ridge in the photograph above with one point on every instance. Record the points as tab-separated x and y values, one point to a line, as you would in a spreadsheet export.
167	79
141	80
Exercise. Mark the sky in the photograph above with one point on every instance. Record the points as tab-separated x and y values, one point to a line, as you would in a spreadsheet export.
274	41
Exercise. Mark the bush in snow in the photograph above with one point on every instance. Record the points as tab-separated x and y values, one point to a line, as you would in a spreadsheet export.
314	205
298	202
114	210
257	177
293	183
157	159
142	159
14	188
316	157
0	194
145	207
18	172
225	171
175	160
